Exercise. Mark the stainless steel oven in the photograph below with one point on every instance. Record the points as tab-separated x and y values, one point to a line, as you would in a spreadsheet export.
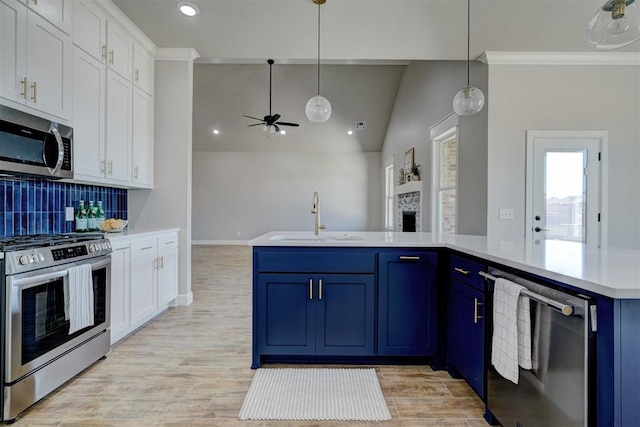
40	350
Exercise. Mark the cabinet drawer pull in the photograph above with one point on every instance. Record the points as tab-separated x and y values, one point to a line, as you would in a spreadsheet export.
110	167
23	82
135	172
310	288
146	248
111	57
170	242
409	257
34	97
476	303
320	289
462	271
137	75
104	52
161	263
121	249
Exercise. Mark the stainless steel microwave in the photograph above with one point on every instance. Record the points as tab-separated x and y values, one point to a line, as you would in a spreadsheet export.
33	146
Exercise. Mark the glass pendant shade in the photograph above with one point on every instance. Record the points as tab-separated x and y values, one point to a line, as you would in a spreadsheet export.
318	109
469	100
614	25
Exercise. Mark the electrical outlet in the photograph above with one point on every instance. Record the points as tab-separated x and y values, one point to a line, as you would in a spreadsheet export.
505	245
505	213
68	213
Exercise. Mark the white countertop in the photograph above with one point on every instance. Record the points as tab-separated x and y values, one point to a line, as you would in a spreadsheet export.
611	272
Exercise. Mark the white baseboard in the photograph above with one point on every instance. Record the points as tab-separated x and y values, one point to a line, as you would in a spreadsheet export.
219	242
184	300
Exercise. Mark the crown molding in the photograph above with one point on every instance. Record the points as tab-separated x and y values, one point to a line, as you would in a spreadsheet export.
176	54
560	58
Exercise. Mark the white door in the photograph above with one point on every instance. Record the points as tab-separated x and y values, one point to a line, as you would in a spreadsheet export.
564	178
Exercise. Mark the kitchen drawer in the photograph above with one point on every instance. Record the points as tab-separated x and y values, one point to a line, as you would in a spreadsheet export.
315	261
147	247
166	242
467	271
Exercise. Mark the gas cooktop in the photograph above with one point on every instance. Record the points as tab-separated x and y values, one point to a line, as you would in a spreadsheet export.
16	243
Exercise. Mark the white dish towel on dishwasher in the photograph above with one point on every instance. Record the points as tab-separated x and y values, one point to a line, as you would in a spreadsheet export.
511	341
78	298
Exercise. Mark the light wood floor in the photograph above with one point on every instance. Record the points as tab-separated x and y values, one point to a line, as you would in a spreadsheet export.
191	367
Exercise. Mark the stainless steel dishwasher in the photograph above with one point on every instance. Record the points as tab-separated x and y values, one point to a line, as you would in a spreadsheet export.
555	392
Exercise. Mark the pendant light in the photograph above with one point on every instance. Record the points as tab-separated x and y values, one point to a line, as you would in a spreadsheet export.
614	25
469	100
318	108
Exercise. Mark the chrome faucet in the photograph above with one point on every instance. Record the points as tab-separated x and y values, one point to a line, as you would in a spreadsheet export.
315	209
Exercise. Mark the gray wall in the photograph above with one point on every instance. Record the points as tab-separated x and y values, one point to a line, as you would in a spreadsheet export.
562	97
424	98
240	195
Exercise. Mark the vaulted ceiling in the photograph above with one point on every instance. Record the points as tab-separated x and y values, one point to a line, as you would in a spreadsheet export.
365	45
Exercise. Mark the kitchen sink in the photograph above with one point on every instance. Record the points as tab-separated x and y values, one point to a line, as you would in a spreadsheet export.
314	238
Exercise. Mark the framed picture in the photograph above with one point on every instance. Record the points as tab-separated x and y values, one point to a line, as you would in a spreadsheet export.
408	160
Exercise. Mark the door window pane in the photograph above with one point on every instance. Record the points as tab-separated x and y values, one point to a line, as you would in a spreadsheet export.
448	162
565	197
447	208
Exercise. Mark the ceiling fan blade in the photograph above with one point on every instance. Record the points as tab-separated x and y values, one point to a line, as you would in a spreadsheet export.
257	124
287	124
251	117
275	117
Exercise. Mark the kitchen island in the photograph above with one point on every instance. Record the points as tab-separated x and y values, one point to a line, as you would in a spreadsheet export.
292	268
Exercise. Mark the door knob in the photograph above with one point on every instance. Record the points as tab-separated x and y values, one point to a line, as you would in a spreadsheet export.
538	229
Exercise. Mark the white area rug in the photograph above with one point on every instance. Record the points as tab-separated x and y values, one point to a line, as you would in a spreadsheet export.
321	394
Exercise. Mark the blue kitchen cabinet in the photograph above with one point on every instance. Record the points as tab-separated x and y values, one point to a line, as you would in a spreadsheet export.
313	303
407	304
466	323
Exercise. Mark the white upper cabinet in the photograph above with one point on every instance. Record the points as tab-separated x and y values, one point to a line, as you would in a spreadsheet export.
142	138
89	102
113	96
119	50
35	63
90	29
57	12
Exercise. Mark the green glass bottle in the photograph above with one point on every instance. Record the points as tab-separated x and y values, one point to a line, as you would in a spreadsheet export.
81	217
100	215
91	217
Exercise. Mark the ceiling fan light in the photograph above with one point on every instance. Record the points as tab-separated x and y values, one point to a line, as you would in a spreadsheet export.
468	101
318	109
614	25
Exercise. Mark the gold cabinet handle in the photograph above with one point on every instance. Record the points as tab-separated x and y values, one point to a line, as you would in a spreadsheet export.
462	271
310	288
406	257
111	57
476	303
34	96
137	75
320	289
104	52
23	82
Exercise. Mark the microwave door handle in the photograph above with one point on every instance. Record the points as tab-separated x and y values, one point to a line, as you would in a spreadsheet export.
56	134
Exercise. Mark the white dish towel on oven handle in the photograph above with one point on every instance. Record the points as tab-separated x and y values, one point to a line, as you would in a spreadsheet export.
79	298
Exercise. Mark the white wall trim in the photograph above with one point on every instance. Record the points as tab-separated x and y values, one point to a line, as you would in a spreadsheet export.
560	58
219	242
176	54
183	300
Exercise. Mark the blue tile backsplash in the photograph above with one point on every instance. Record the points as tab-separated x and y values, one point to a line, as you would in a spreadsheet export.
37	206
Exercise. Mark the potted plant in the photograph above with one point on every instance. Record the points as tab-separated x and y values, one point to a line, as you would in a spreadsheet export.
415	171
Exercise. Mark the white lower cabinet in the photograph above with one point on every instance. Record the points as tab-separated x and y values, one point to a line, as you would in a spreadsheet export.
144	280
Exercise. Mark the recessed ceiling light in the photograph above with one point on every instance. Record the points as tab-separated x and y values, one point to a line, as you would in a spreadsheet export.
188	8
283	132
349	132
216	131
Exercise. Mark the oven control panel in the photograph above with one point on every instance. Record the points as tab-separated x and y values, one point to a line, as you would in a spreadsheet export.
69	252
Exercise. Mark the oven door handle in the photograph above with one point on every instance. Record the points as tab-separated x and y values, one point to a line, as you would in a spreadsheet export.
38	280
43	278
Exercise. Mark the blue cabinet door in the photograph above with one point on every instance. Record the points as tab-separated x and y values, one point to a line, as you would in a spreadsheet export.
466	334
285	314
407	306
345	314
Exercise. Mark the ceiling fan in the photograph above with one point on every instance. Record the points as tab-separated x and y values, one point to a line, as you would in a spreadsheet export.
270	123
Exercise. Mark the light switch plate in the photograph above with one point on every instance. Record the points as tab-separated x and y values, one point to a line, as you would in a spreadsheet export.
505	213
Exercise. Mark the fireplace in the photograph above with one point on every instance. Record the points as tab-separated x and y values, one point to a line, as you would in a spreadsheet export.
409	221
